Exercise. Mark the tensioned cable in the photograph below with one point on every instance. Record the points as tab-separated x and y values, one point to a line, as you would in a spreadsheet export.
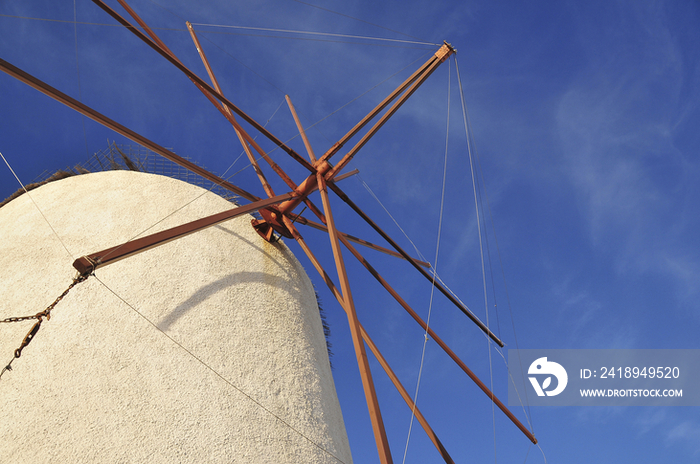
481	253
325	117
284	93
481	191
396	223
499	351
310	39
215	372
505	285
37	206
380	39
313	6
356	19
437	253
420	255
327	34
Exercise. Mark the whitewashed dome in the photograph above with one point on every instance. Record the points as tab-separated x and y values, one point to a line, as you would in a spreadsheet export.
100	383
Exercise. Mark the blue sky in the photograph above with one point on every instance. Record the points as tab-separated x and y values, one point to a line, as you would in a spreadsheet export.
582	116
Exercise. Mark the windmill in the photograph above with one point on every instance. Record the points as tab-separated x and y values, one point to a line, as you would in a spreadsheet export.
281	212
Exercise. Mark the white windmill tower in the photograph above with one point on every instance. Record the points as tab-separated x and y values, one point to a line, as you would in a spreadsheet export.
278	402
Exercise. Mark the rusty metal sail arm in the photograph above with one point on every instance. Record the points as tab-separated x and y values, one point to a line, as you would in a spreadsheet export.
322	164
415	264
378	355
417	318
378	109
315	225
438	340
133	29
96	116
246	147
440	56
362	362
89	263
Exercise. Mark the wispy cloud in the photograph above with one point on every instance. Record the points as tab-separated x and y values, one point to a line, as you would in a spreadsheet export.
687	432
616	125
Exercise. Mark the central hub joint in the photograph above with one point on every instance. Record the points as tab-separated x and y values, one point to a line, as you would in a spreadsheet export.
273	221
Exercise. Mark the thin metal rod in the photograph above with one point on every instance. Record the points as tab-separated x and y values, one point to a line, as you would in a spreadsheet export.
245	139
145	27
315	225
414	263
91	262
362	362
346	175
438	340
223	109
384	103
441	55
309	149
118	128
385	365
201	82
407	398
300	127
261	176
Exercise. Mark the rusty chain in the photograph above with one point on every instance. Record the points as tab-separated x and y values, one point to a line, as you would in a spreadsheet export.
39	317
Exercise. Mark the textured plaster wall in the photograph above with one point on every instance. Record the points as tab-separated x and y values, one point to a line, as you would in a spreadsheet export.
99	383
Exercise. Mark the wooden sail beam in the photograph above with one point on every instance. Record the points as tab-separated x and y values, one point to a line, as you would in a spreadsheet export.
432	334
261	176
415	264
441	55
201	82
307	145
362	362
239	130
378	109
300	127
438	340
304	221
382	361
329	172
89	263
346	175
96	116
